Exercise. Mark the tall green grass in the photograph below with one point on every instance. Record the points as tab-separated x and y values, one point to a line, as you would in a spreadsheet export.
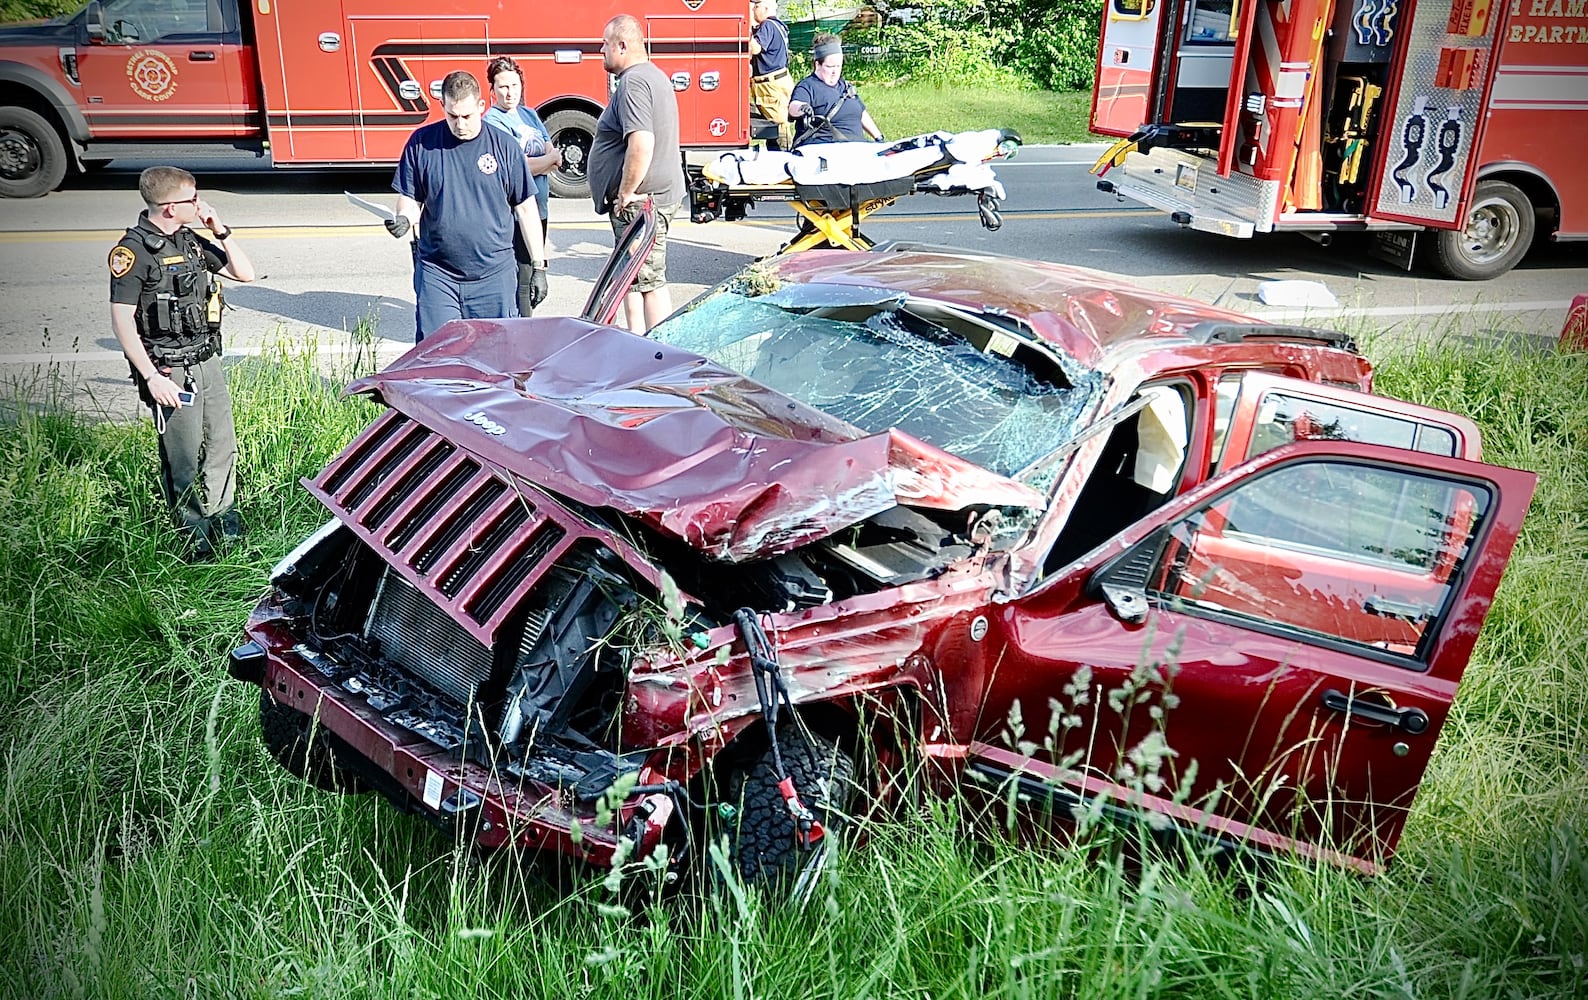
150	848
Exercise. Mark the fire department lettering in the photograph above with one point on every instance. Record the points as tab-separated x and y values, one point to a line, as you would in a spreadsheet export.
487	164
121	261
1549	34
152	74
1551	8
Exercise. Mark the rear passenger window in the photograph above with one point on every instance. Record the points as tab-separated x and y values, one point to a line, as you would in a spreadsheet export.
1347	551
1282	419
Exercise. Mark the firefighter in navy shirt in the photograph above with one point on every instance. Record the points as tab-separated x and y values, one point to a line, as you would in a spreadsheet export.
464	185
165	309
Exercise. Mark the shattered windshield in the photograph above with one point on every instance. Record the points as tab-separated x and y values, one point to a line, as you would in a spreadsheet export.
879	360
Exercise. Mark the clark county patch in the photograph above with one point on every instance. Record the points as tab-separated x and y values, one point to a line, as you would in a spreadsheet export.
487	164
121	261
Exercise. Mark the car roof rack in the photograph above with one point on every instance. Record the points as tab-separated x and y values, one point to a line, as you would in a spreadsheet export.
1224	332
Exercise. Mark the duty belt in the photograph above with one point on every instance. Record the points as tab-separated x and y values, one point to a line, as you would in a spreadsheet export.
192	354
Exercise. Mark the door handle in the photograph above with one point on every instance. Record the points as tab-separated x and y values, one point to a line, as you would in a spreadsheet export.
201	55
1413	721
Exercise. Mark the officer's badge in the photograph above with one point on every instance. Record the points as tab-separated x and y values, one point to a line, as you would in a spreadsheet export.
121	261
487	164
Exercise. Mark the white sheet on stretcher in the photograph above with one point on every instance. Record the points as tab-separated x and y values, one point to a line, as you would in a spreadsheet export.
869	162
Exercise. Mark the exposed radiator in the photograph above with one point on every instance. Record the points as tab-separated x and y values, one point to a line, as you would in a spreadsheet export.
421	639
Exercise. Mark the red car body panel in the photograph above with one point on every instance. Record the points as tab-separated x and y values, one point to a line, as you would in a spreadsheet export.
1249	699
1307	683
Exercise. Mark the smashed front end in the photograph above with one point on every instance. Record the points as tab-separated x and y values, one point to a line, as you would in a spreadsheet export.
521	617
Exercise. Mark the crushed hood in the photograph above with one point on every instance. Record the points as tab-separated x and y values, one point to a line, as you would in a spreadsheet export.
700	452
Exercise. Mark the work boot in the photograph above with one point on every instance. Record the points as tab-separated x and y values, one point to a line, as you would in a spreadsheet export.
197	546
230	526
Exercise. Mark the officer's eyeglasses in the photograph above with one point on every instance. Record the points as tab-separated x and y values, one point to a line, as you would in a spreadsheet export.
183	201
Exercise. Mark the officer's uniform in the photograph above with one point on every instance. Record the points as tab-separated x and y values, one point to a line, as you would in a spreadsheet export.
178	304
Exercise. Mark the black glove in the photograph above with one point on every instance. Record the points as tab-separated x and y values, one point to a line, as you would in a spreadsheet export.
398	226
537	285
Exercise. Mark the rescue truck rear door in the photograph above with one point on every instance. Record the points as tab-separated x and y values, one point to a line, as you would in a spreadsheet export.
398	64
303	69
1428	144
700	55
1127	66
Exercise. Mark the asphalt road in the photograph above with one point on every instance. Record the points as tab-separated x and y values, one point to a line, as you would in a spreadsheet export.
326	265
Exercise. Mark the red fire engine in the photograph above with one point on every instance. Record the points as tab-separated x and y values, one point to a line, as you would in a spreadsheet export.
1456	121
339	82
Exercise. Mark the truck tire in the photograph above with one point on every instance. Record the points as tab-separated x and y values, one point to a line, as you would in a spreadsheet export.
762	844
573	132
1498	232
306	751
32	156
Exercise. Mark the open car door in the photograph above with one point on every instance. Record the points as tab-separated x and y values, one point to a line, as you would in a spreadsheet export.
1127	66
622	267
1266	661
1260	411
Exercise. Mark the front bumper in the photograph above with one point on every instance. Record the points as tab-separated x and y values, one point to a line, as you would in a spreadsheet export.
503	808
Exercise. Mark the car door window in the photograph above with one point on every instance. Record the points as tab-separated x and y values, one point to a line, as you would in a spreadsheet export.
1283	418
1361	554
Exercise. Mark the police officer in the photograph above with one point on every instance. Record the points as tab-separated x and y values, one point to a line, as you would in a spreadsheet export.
165	310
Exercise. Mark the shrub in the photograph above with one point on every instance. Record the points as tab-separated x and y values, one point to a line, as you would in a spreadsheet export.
1053	43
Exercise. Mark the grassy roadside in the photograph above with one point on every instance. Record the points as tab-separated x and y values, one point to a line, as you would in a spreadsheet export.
148	847
1040	116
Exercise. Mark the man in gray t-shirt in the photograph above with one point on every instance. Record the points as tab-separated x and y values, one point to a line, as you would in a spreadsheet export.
635	157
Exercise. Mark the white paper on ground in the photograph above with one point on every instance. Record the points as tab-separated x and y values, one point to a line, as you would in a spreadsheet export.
1296	292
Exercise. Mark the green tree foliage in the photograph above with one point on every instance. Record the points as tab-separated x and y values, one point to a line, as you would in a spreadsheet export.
31	10
1052	42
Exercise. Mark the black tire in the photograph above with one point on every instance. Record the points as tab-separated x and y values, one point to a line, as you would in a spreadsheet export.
763	844
1498	232
573	132
306	751
32	156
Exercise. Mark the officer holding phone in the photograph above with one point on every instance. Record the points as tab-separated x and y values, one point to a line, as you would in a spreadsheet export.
165	309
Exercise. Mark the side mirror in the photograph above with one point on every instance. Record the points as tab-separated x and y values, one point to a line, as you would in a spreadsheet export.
1121	583
1128	604
94	21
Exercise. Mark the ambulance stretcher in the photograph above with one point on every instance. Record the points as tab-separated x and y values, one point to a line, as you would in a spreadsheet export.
834	186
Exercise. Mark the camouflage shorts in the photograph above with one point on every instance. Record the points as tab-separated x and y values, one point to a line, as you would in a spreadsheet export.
653	273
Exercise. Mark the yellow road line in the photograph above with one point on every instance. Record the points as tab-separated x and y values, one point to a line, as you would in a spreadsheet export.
301	232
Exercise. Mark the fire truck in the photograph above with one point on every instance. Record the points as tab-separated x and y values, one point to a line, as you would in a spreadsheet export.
1454	123
295	83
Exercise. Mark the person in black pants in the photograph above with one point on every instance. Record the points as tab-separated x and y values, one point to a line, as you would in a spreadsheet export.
770	84
165	310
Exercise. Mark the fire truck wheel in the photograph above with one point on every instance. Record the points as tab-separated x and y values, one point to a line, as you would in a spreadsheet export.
32	157
1498	232
573	132
762	836
304	750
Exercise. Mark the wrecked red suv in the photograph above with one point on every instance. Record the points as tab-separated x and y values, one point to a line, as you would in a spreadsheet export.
1071	542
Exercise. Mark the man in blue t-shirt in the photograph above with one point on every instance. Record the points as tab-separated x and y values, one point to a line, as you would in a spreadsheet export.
464	185
825	106
770	82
